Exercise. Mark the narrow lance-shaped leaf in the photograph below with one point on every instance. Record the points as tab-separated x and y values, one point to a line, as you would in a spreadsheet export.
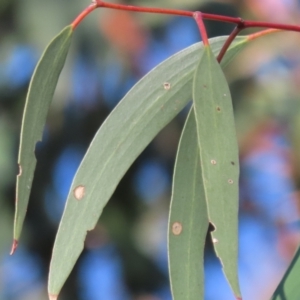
288	288
39	97
147	108
188	221
219	159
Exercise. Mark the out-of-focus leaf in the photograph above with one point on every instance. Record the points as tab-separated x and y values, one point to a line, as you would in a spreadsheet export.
295	140
288	288
39	97
219	159
147	108
188	221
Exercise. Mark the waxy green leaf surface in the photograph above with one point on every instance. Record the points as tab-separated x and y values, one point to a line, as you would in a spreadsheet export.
147	108
219	159
39	97
188	221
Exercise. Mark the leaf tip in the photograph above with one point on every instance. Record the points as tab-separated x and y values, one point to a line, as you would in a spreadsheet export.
53	297
14	246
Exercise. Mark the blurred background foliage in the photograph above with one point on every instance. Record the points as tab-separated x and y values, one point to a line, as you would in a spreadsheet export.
125	256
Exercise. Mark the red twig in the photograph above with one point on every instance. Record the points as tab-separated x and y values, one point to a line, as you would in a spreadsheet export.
154	10
228	42
199	20
198	16
253	24
184	13
261	33
238	21
87	11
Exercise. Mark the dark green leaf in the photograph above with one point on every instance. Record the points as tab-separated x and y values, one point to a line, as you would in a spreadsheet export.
39	97
188	222
148	107
219	159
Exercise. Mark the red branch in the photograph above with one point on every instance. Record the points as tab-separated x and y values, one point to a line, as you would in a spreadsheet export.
228	42
87	11
201	26
258	34
154	10
198	16
238	21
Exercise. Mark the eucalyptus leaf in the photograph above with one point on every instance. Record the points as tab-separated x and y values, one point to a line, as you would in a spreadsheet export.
188	221
39	97
147	108
288	288
219	159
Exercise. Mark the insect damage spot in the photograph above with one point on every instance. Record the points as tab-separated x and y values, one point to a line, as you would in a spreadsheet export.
167	86
79	192
224	95
211	227
20	170
230	181
213	162
218	108
176	228
214	240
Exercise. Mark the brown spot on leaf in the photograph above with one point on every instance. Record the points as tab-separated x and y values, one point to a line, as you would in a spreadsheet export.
233	163
79	192
176	228
167	86
213	162
230	181
218	108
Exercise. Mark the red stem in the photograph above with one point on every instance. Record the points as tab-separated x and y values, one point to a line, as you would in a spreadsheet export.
198	16
261	33
164	11
199	20
228	42
87	11
253	24
184	13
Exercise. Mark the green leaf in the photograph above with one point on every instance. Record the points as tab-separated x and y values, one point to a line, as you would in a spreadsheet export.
288	288
219	159
147	108
188	221
39	97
